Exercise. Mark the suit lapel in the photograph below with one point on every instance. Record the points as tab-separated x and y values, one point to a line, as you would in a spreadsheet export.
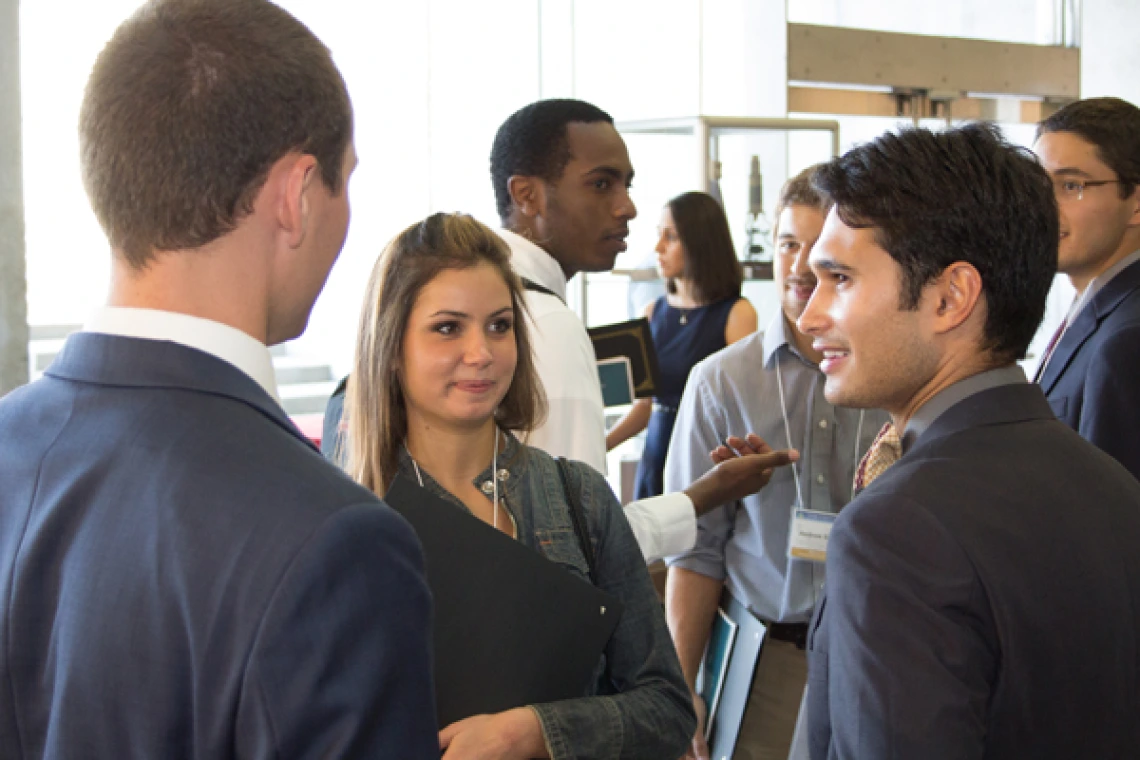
1103	304
113	360
1075	336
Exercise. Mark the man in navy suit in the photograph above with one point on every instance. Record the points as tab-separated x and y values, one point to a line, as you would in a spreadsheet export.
181	574
1092	374
983	593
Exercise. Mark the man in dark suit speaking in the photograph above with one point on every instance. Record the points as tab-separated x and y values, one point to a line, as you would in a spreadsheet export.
983	593
181	574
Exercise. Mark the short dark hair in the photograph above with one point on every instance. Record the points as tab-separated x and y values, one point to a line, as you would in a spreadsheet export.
188	107
965	194
710	260
1112	125
532	142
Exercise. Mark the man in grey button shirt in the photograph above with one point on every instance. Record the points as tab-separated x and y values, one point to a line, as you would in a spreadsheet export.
768	383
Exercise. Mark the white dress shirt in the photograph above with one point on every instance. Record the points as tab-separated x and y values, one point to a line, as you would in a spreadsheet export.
229	344
575	425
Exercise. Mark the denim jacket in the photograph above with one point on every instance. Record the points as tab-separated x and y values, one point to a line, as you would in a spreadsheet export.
639	706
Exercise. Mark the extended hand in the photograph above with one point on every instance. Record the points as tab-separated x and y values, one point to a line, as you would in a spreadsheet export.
739	471
511	735
735	446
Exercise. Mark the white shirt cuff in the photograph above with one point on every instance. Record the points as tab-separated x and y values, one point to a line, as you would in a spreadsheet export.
663	525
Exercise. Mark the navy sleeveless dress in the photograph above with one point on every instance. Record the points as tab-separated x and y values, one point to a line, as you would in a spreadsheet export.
680	345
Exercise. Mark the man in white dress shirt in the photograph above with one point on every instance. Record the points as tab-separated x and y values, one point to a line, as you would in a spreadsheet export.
561	175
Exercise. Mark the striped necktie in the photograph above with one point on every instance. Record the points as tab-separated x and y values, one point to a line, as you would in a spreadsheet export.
884	451
1045	357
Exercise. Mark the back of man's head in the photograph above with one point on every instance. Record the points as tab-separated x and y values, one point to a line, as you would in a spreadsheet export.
965	194
1112	126
187	108
532	142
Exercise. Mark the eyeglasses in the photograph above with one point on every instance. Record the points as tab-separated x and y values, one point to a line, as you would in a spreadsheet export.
1074	189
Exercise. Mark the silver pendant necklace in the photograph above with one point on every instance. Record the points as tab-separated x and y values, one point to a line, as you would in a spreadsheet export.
496	476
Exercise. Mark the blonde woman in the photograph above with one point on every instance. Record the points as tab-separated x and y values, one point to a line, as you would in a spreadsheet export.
442	382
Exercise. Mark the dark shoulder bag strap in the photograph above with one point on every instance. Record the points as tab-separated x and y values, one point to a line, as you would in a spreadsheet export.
578	518
532	285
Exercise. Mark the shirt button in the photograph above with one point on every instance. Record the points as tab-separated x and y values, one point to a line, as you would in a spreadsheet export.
488	487
820	479
823	424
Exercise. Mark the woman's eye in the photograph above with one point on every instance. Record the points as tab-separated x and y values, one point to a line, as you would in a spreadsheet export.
446	328
601	184
789	247
502	325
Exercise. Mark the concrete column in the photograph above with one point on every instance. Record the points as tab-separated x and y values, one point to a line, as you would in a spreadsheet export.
13	281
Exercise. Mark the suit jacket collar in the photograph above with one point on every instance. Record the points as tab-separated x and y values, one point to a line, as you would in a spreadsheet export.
112	360
1016	402
1087	322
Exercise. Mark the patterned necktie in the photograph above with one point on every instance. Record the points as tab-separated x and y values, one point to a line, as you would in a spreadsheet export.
885	451
1045	357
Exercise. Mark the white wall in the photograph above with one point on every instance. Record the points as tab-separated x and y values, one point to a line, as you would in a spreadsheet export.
1110	55
432	80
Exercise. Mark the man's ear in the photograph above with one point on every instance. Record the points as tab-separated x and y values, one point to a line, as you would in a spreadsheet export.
295	206
956	293
528	195
1134	202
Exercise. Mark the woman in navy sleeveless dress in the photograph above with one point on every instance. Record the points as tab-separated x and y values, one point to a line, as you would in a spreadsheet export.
701	314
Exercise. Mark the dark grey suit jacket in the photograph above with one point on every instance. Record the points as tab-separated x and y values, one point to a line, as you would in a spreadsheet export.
183	576
983	598
1093	379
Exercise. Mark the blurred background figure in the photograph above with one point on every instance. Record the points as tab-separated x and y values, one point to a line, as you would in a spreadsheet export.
701	313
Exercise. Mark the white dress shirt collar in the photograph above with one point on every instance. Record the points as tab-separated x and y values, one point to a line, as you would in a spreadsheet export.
535	264
226	343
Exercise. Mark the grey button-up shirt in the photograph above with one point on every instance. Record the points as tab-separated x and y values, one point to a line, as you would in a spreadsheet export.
745	543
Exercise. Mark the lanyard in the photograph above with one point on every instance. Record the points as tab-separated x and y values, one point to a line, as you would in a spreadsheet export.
494	481
803	455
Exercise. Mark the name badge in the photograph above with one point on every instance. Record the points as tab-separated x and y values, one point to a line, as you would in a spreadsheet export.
810	532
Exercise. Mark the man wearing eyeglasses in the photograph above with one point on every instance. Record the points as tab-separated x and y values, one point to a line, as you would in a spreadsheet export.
1091	370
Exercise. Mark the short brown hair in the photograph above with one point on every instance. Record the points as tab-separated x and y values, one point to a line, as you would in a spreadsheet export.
799	191
189	106
1112	126
374	401
710	260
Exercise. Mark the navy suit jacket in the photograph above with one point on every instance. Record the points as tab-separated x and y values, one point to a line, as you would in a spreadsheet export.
983	598
1093	379
183	576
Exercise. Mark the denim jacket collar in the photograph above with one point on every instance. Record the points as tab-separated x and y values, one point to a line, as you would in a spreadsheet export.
510	462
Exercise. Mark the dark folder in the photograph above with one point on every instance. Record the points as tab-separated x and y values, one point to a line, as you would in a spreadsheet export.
631	339
512	628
